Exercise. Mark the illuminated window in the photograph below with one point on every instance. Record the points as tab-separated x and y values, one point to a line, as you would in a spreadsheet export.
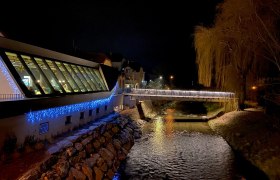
23	73
74	84
91	78
100	79
58	74
48	73
86	77
37	74
47	76
95	78
81	77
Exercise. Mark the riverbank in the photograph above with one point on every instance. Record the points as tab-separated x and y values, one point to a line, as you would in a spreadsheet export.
94	150
254	135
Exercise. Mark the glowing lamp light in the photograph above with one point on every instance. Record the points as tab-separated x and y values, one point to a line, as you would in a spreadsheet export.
254	87
160	77
171	77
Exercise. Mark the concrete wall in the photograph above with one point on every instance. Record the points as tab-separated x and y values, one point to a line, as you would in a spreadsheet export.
129	102
148	108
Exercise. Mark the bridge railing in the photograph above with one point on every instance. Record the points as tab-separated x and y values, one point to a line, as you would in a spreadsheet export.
183	93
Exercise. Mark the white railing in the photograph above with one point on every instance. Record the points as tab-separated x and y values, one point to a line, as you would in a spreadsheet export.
181	93
11	96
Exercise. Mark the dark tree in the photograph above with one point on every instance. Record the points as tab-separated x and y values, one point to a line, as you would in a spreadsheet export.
242	41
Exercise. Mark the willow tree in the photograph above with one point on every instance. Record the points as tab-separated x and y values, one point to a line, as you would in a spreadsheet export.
243	37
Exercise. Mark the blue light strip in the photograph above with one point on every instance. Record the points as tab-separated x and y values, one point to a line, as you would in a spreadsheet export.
7	75
52	113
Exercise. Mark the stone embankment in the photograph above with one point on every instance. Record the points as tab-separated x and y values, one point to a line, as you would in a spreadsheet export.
94	152
255	135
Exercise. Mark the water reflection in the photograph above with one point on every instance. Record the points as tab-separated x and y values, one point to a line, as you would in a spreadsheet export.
158	135
179	150
169	120
169	126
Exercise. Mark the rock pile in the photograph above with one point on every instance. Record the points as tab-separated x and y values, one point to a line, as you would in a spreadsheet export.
91	153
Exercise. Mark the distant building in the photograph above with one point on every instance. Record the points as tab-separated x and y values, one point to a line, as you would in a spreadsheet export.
133	73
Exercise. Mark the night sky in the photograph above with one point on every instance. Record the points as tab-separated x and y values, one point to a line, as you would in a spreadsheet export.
157	35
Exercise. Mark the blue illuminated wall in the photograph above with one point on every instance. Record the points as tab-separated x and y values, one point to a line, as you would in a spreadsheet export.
52	113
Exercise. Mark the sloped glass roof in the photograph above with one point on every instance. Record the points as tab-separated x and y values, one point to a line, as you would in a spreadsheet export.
43	76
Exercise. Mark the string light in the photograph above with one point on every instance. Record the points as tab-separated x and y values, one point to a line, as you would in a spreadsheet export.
53	113
7	75
181	93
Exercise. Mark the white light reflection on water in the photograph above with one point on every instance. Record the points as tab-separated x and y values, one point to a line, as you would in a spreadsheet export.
179	150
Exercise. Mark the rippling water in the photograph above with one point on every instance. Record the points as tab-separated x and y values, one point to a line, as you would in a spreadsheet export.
179	150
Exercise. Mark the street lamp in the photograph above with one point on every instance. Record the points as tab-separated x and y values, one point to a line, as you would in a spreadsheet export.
160	77
254	87
171	77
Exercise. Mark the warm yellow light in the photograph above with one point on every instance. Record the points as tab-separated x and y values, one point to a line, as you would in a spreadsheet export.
169	120
171	77
254	87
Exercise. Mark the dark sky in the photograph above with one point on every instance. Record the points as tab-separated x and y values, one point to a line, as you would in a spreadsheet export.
157	35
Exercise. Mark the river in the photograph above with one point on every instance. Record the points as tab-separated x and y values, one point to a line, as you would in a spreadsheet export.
180	150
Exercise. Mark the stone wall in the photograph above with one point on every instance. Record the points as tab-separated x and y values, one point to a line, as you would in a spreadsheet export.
94	152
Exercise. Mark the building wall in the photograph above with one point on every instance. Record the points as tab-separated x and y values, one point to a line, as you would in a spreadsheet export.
133	78
45	117
5	87
22	127
128	102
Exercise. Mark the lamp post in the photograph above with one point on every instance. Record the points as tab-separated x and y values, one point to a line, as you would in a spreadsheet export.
171	77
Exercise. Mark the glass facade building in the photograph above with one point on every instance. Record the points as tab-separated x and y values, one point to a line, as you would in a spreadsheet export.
40	76
44	93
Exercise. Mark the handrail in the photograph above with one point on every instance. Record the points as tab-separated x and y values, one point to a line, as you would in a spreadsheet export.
160	92
11	96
